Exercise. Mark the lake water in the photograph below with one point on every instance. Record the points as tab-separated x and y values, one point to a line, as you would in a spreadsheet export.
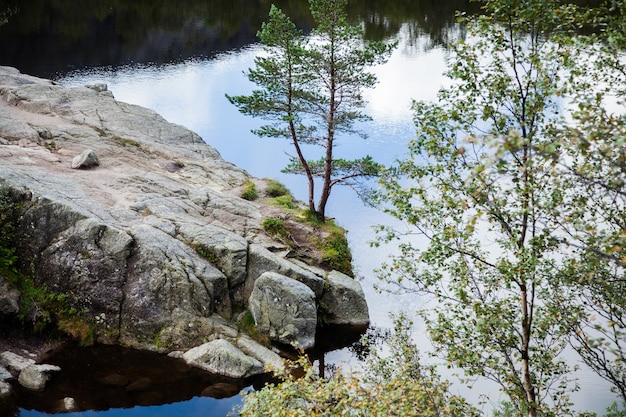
183	69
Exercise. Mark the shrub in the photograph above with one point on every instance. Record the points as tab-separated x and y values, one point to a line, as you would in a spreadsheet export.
336	252
276	189
275	227
249	191
285	201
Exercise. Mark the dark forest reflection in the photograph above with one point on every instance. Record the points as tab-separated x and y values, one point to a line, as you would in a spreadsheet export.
49	38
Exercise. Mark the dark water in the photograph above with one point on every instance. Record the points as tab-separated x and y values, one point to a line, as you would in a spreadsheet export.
51	38
180	58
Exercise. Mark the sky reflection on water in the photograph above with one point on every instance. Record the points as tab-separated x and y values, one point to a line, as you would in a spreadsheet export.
192	94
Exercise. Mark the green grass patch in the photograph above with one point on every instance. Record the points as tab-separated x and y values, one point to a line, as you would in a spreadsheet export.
275	227
249	192
276	189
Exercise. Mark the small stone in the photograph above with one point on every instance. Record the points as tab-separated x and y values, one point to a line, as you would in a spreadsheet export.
87	159
70	404
99	87
5	389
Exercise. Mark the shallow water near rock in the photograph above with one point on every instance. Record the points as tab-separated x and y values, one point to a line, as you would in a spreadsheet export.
111	380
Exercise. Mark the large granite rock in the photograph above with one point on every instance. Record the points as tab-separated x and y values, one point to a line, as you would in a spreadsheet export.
221	357
152	246
343	302
35	377
284	309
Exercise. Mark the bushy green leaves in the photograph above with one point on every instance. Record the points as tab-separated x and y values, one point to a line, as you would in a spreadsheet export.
395	385
480	186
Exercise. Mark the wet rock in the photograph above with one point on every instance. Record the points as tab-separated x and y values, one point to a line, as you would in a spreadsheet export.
140	384
284	309
87	159
343	301
35	377
222	358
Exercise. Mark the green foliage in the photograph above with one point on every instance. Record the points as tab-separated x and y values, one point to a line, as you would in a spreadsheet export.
310	89
207	254
395	386
285	201
336	252
249	192
276	189
275	227
480	186
8	258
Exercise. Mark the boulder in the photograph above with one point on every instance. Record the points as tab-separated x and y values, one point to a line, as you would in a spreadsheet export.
271	360
15	363
35	377
87	159
343	301
284	309
222	358
261	260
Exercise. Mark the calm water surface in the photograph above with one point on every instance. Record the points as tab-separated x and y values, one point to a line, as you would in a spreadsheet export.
188	88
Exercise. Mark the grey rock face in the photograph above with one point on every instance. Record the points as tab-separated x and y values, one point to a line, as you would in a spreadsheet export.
154	247
35	377
284	309
87	159
221	357
343	301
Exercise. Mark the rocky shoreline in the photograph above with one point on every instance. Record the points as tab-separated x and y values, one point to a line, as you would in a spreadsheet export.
145	239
